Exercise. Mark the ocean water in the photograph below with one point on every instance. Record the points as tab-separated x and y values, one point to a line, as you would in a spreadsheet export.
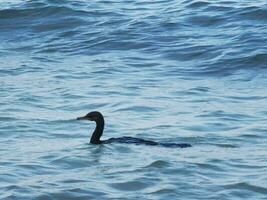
170	71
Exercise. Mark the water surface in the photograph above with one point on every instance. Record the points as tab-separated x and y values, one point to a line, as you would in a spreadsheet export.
170	71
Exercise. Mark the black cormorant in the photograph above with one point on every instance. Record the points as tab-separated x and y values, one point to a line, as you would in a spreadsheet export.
95	139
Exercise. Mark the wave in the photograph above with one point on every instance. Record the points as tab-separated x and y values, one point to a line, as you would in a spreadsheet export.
247	187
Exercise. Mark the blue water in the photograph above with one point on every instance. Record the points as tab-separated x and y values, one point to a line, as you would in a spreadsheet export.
170	71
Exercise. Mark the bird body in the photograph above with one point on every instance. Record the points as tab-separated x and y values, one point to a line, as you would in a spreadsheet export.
98	132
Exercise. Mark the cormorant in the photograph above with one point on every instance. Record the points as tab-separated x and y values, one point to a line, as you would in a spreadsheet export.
95	138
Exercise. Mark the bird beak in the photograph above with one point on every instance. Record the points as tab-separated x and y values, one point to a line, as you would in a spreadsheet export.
82	118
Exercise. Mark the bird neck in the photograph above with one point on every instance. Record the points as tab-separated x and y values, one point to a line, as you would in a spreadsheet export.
95	139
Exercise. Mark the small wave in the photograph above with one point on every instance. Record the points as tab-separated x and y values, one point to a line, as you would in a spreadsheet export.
206	21
163	191
39	12
158	164
224	145
247	186
35	168
207	166
70	162
71	194
4	119
137	109
135	185
198	4
231	117
254	13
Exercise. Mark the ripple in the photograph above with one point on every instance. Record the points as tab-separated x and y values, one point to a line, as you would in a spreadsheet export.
130	185
158	164
212	167
247	187
206	20
163	191
137	109
254	13
71	194
35	12
198	4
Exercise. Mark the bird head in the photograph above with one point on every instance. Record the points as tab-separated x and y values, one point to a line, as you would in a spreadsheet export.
91	116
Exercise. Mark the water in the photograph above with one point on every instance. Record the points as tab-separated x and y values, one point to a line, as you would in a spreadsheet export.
169	71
